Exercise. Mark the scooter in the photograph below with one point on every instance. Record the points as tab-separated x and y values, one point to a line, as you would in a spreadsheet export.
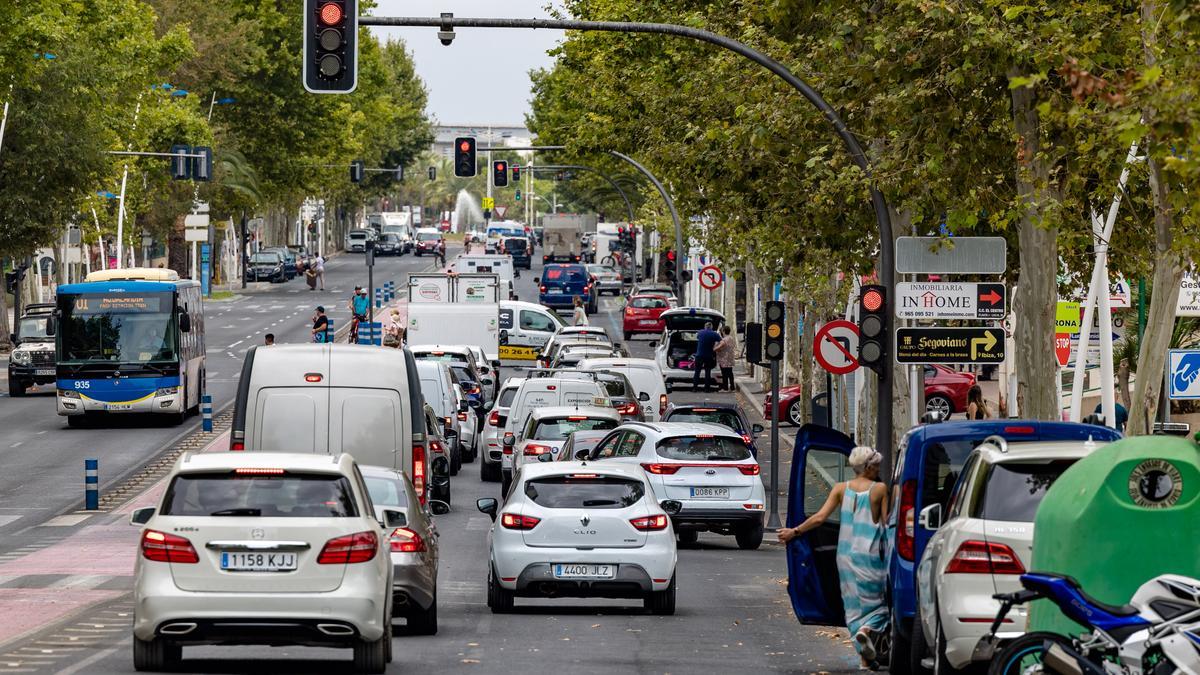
1157	633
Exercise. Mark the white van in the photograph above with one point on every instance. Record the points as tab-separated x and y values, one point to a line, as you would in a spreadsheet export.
644	375
455	323
541	392
525	328
499	264
450	405
330	399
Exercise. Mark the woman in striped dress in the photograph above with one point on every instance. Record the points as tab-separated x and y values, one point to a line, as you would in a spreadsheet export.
862	505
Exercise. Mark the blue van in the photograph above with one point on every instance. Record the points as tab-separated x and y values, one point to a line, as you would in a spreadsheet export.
560	284
926	467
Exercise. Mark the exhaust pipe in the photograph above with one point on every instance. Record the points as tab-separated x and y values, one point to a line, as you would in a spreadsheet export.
335	629
401	599
177	629
1062	659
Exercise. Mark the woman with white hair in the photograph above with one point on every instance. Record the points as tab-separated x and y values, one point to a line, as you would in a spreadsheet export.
863	506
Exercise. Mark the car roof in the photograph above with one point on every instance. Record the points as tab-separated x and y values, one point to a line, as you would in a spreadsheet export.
514	382
570	411
1023	431
383	471
998	453
454	349
672	429
619	362
292	461
543	469
692	311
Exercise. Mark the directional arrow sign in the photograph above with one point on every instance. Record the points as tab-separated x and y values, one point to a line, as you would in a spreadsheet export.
950	345
950	300
711	277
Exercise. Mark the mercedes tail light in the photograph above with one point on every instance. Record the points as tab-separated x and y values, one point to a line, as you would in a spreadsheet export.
352	548
983	557
650	523
513	521
661	469
168	548
404	540
906	533
419	474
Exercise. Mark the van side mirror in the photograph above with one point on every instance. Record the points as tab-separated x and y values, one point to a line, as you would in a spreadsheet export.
185	322
653	344
487	505
12	337
757	428
463	406
643	397
671	506
394	518
141	516
931	517
537	280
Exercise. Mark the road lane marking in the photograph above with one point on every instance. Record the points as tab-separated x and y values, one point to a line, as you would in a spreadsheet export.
5	520
69	520
237	343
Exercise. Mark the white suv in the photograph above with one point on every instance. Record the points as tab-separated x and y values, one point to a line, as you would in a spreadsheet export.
982	544
493	458
548	429
574	529
263	548
707	467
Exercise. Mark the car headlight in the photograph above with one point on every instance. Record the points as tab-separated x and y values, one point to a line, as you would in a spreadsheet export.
22	358
68	393
167	391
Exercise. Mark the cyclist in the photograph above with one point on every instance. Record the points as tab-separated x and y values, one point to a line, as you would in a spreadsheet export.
359	306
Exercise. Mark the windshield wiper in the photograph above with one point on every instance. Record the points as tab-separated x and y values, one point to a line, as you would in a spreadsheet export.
237	512
144	364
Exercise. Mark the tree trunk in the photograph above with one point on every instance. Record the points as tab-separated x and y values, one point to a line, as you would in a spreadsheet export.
5	327
178	251
1037	290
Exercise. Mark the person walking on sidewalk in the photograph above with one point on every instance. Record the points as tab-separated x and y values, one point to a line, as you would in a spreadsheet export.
726	351
359	305
706	356
861	568
320	328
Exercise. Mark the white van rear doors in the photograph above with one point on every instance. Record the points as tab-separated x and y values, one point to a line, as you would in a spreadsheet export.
291	419
368	424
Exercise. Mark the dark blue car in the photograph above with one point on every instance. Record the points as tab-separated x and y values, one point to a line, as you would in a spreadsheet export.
710	412
560	284
926	467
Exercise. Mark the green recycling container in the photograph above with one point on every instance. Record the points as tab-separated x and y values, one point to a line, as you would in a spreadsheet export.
1121	516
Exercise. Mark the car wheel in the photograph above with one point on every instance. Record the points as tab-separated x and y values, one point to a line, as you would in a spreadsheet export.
424	622
16	388
794	414
688	537
371	657
489	472
749	538
466	453
155	655
500	599
455	458
940	404
940	665
662	602
628	336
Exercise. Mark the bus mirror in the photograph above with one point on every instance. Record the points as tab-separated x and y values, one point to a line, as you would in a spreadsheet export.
185	322
51	325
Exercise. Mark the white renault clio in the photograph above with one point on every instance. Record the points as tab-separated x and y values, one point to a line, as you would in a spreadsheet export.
262	548
576	529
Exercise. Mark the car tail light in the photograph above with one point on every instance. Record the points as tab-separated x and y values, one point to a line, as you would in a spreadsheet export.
508	448
237	446
462	417
542	288
494	418
749	440
418	471
906	544
258	472
168	548
534	449
982	557
513	521
404	540
352	548
749	469
628	409
662	404
661	469
650	523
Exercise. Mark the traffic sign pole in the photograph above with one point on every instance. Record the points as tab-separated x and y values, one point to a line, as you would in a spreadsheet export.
773	522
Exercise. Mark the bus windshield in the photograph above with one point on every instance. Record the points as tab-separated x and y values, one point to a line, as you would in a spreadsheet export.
117	328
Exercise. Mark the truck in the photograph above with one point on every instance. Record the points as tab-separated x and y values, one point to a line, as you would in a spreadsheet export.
562	235
34	355
455	309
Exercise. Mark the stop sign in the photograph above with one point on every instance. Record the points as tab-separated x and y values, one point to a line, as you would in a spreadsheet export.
1062	348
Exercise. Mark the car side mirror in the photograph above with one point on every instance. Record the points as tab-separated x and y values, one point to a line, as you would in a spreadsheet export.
475	403
671	506
12	337
931	517
51	325
757	428
643	397
141	516
583	454
669	387
546	457
509	441
394	518
487	505
464	406
185	322
653	344
484	370
438	508
488	381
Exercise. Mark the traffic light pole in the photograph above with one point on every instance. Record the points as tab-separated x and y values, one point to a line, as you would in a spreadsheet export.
773	522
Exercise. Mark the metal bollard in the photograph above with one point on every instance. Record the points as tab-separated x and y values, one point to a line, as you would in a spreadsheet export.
91	484
378	298
206	412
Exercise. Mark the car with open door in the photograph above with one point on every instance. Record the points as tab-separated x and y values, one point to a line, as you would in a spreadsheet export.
675	351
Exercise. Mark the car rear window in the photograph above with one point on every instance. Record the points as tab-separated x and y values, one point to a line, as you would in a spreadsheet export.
703	448
943	463
386	491
586	491
358	235
648	303
560	275
615	386
1012	491
515	245
506	398
557	429
726	418
440	356
286	495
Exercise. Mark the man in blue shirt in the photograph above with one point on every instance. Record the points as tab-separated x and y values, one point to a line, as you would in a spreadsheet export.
706	356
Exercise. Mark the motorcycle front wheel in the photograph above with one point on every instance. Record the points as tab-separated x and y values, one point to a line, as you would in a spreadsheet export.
1026	654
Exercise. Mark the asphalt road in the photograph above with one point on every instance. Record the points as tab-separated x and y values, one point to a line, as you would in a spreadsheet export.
42	458
733	613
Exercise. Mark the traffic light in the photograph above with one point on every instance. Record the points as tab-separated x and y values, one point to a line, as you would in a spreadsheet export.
464	157
330	46
357	167
516	169
202	165
773	330
433	173
180	162
668	265
500	173
13	278
873	328
398	174
518	195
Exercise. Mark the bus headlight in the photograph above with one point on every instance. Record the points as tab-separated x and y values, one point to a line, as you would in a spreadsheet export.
22	358
68	393
167	391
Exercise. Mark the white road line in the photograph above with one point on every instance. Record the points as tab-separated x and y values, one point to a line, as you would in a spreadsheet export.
41	432
237	343
17	444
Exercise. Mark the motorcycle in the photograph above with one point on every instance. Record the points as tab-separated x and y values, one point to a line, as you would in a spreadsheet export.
1157	633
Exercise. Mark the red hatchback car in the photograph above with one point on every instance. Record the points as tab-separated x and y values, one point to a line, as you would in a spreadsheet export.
643	314
945	391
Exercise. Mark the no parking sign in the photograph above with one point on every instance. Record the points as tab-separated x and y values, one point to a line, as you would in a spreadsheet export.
835	347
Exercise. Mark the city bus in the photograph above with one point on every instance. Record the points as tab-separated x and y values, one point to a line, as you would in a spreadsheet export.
130	341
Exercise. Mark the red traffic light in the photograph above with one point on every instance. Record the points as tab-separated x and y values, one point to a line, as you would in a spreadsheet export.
872	300
671	256
500	166
331	14
465	146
